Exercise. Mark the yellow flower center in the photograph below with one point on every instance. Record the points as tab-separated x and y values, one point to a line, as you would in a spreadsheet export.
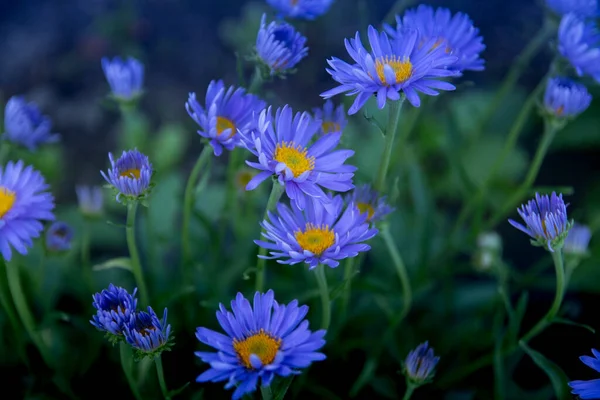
402	68
7	200
294	157
366	208
315	239
330	127
223	124
132	171
261	344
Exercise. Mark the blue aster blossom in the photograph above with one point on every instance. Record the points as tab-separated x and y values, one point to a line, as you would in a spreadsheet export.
59	236
24	203
369	201
545	221
584	8
130	175
394	65
579	43
300	9
90	199
588	389
125	77
279	46
332	119
114	306
283	150
260	341
147	334
456	34
577	240
25	125
565	98
227	111
419	366
316	236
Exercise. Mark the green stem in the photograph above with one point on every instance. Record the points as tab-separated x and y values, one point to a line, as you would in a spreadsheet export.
85	256
324	293
276	192
8	307
395	107
410	388
42	268
4	151
125	352
400	270
348	274
136	267
161	378
266	393
256	82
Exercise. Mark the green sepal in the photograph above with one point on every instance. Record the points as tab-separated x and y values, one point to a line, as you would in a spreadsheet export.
114	339
139	355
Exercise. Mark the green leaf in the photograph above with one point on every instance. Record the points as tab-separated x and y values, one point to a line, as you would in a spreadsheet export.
120	262
169	146
557	376
340	287
175	392
280	387
573	323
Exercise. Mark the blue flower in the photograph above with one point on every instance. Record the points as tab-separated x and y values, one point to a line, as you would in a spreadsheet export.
579	42
316	236
588	389
114	306
25	125
261	341
279	46
124	77
59	237
332	120
91	200
369	201
147	334
392	66
130	175
584	8
546	221
565	98
301	9
24	203
577	240
419	366
227	111
282	147
453	33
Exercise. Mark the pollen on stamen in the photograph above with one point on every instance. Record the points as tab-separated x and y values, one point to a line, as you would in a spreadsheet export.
224	124
315	238
402	68
295	157
7	200
261	344
135	172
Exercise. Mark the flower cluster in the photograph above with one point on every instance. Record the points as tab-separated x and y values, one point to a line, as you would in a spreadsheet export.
25	125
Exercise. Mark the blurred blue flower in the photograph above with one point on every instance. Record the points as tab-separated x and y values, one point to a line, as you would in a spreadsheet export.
227	111
91	200
114	306
130	175
579	42
25	125
59	236
546	221
282	147
419	366
261	341
316	236
454	33
279	46
125	77
147	334
301	9
584	8
369	201
332	120
392	66
565	98
588	389
577	240
24	203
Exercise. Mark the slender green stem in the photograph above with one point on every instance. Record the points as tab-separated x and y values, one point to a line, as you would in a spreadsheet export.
136	266
161	378
324	293
395	107
256	82
400	270
42	268
276	192
410	388
85	256
126	358
266	393
4	151
8	307
348	274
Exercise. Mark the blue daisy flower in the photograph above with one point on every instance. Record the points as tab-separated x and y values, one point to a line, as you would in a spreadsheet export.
59	236
114	306
585	8
283	150
227	111
588	389
279	46
260	341
130	175
332	119
90	199
454	33
392	66
565	98
147	334
369	201
25	125
301	9
24	203
577	240
125	77
316	236
419	366
579	43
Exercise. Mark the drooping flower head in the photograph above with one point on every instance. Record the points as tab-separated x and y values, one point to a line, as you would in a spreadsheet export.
577	241
455	34
91	200
588	389
114	306
369	201
24	203
147	334
584	8
332	119
279	46
316	236
419	366
545	221
125	77
579	43
301	9
282	147
130	175
261	341
227	111
393	66
565	98
59	236
25	125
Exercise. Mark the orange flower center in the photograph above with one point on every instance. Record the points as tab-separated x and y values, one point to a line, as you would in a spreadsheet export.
295	157
131	173
261	344
223	124
315	239
330	127
366	208
7	200
402	68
